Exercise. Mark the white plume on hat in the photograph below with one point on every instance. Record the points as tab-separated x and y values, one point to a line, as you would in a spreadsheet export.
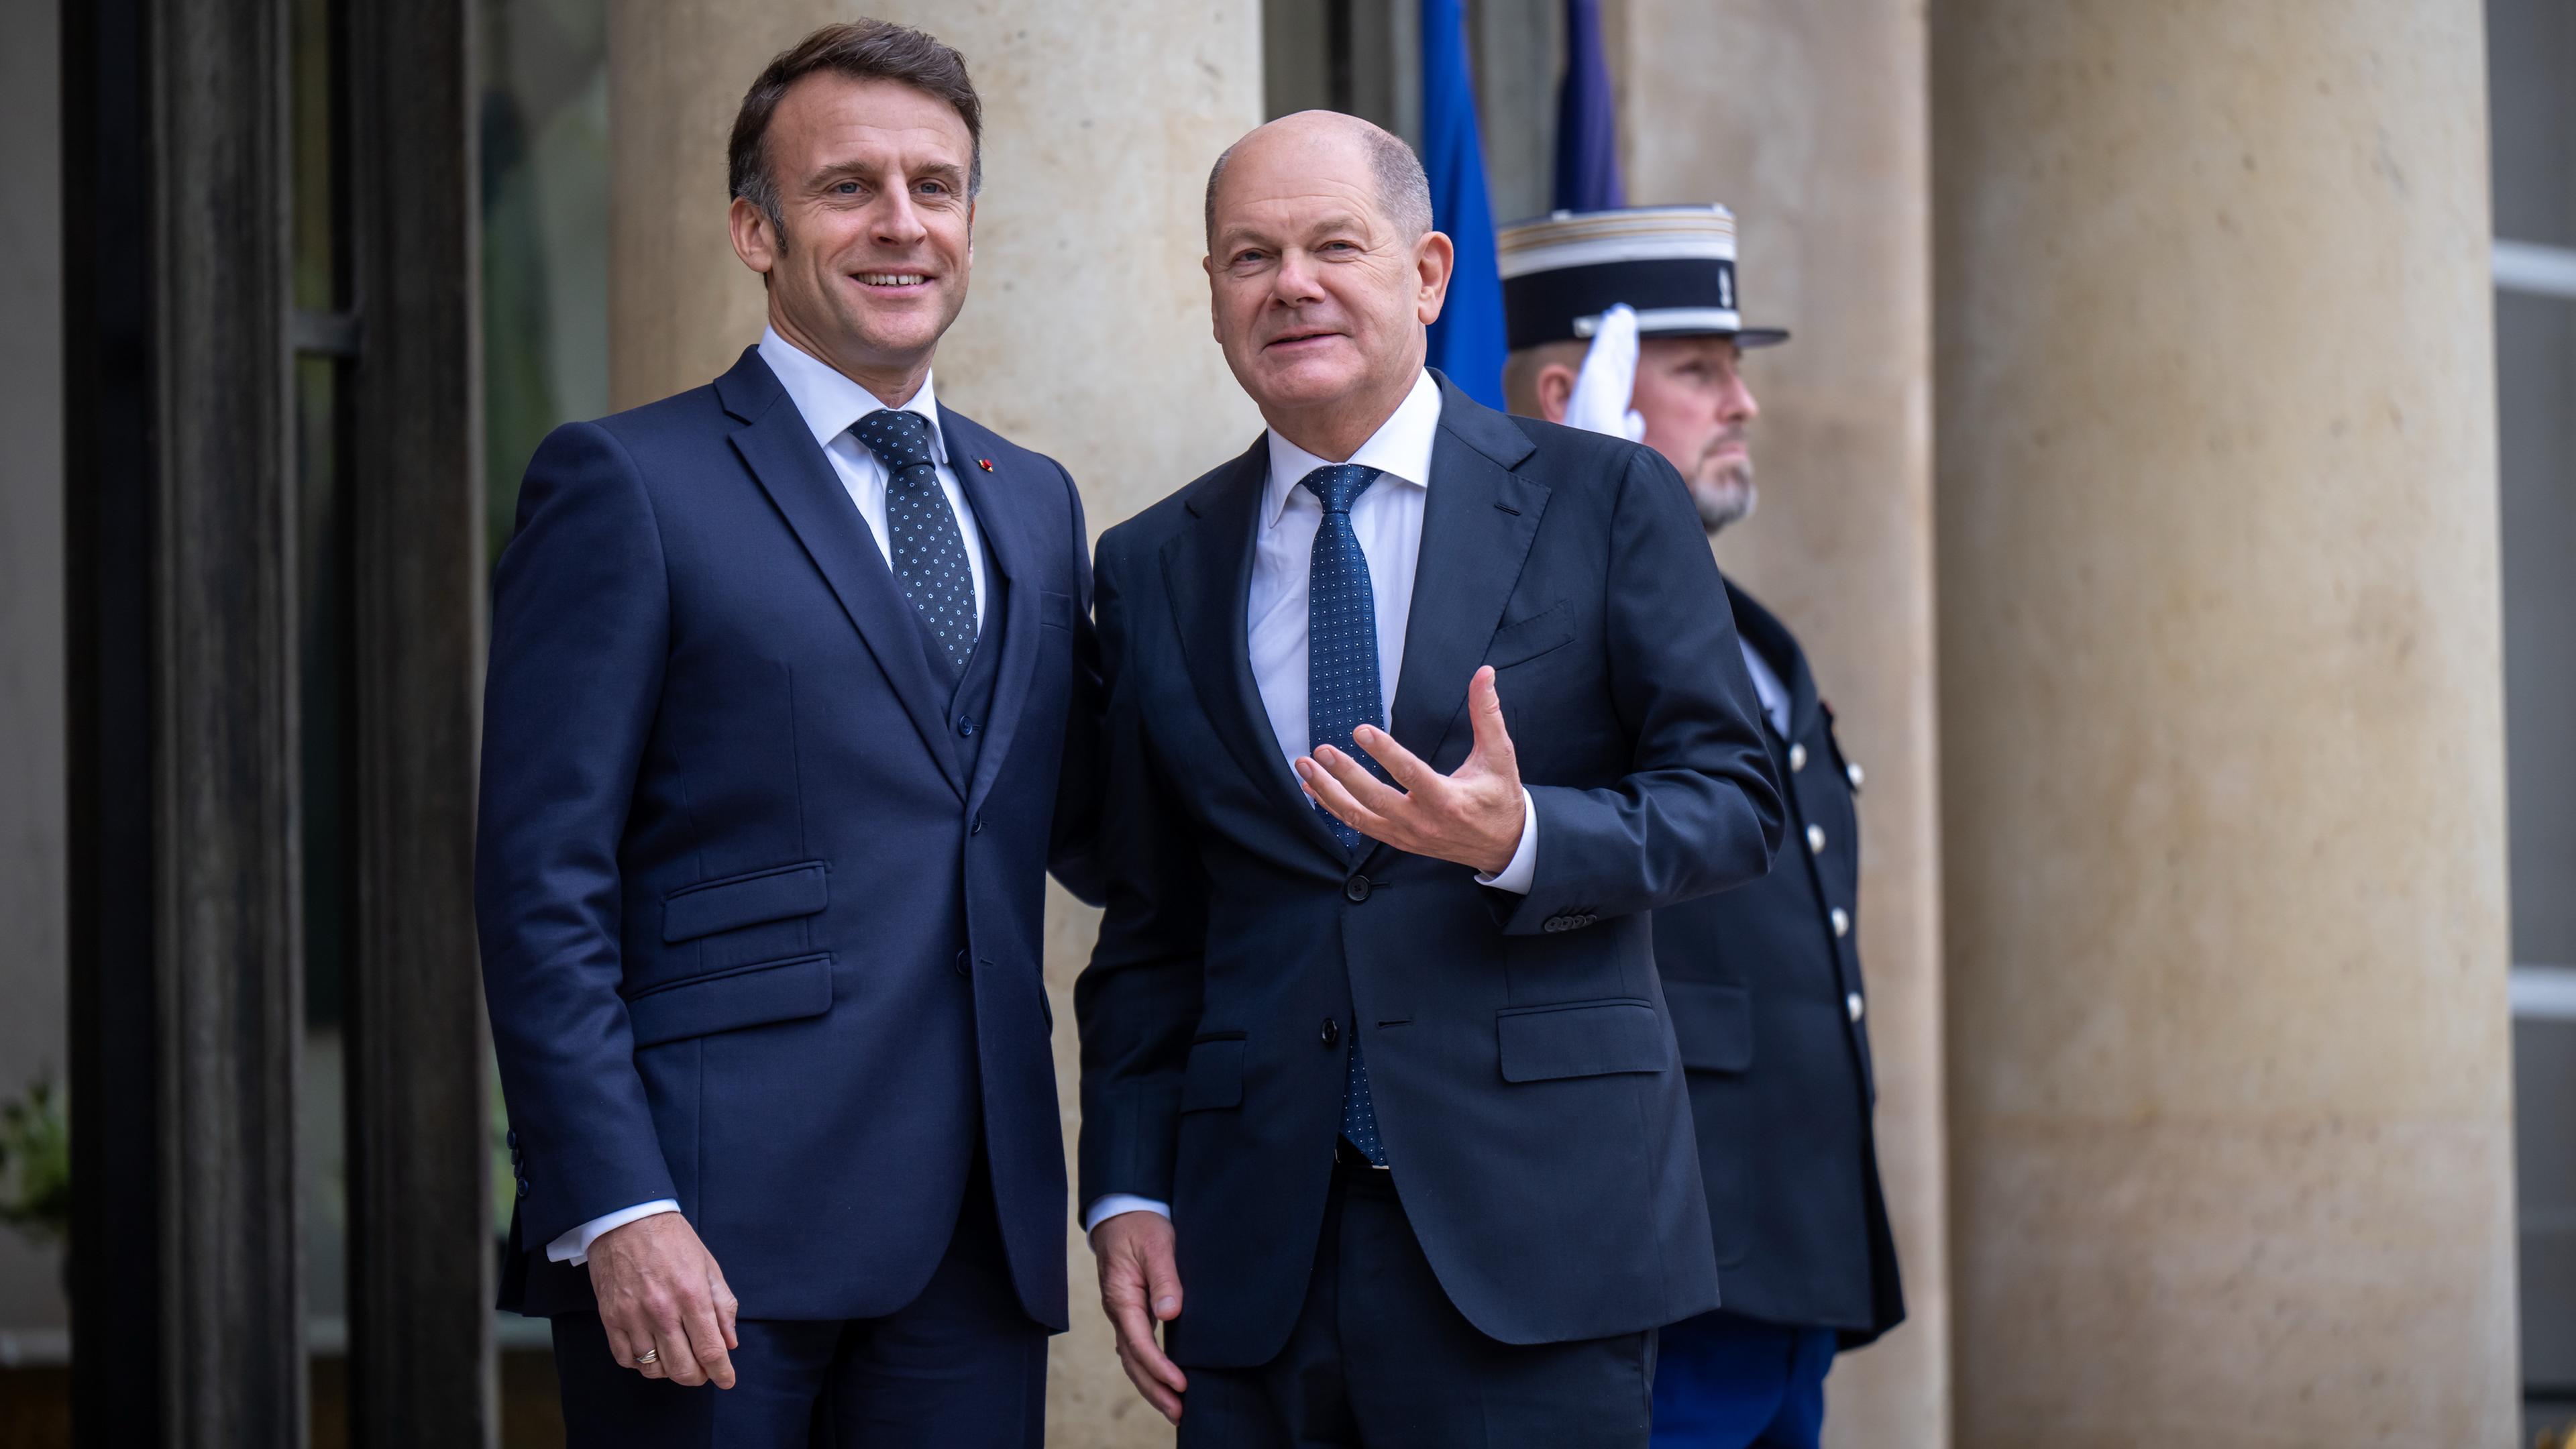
1602	389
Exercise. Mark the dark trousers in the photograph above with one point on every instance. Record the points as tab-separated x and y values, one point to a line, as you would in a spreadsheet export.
1737	1383
959	1366
1379	1357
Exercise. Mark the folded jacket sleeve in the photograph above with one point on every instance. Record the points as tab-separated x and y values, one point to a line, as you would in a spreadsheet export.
580	624
1699	809
1139	999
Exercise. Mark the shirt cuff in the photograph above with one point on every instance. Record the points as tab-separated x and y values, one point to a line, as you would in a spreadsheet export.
1110	1204
574	1247
1521	873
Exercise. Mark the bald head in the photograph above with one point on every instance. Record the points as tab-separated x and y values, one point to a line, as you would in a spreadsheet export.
1332	139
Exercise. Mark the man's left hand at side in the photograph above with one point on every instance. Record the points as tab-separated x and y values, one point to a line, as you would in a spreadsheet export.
1472	817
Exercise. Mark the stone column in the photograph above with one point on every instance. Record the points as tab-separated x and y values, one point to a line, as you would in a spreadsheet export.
1086	335
2223	794
1809	122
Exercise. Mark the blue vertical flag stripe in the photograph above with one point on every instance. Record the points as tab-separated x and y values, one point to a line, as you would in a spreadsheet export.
1467	341
1587	119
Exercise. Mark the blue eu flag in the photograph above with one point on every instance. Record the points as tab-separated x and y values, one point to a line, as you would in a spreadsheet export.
1587	119
1467	341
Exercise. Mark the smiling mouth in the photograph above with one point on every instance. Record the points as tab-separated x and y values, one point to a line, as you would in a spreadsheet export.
893	279
1296	337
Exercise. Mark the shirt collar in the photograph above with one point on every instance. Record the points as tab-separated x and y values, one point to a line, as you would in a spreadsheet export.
1400	449
829	402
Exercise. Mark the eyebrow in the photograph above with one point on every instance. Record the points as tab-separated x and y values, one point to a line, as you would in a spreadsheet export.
948	171
1240	233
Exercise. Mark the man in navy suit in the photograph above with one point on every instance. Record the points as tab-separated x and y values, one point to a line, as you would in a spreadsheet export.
1383	1122
782	672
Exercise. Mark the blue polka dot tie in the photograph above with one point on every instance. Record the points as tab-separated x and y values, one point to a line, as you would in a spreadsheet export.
923	542
1342	693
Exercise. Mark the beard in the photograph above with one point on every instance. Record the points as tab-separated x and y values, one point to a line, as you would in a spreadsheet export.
1724	493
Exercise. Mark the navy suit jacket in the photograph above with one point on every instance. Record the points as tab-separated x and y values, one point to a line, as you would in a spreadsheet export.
1768	1004
1528	1091
753	938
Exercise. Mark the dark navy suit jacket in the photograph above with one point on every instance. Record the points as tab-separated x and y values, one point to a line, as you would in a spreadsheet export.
753	937
1528	1091
1766	993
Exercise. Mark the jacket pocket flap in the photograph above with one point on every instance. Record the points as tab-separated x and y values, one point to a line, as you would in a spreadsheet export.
1521	640
1582	1039
745	900
1215	1077
1714	1024
731	1000
1055	608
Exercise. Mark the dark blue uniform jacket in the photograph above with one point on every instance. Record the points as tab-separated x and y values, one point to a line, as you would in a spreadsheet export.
1765	986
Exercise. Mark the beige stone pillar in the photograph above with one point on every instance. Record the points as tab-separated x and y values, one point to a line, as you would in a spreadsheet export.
2222	786
1809	121
1086	334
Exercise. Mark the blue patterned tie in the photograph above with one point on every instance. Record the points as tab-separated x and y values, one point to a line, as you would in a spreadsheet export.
923	541
1342	693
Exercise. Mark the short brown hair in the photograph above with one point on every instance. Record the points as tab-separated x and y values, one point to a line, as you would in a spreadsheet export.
861	50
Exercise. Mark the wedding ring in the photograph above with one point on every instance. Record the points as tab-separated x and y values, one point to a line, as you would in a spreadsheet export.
648	1356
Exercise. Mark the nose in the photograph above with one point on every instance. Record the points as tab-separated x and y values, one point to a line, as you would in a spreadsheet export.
897	222
1295	283
1736	404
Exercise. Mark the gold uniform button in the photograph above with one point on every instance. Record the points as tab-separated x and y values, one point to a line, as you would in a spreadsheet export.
1852	773
1851	1004
1816	839
1797	757
1842	922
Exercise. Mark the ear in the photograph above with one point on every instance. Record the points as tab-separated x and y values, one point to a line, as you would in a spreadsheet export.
753	239
1435	258
1555	390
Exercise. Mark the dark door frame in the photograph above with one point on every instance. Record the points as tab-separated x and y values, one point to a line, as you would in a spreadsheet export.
186	920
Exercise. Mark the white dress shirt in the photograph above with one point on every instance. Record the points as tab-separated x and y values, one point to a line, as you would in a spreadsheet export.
1767	685
829	402
1388	520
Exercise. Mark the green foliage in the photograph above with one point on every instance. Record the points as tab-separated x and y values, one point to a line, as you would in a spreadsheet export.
36	1163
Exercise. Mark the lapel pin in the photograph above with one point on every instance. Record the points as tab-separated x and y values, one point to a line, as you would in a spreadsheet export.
984	463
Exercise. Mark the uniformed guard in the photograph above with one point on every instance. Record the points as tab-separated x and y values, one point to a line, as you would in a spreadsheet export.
1627	322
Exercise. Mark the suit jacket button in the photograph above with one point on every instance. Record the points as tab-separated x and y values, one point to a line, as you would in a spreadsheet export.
1797	757
1331	1035
1816	839
1356	888
965	727
523	1187
513	1136
977	828
1852	1005
958	965
1842	922
1552	923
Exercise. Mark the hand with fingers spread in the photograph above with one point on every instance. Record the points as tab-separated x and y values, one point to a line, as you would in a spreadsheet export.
1472	817
1140	1288
664	1301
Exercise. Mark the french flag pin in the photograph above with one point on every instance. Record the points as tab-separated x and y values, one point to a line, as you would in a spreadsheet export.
984	463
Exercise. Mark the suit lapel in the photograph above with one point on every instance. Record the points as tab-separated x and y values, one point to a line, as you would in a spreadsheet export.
1207	569
777	447
1778	648
993	496
1477	522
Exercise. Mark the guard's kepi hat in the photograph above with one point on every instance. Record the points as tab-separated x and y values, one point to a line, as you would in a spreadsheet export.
1674	264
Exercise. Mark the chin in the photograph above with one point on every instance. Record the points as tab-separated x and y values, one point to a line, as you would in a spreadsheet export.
1307	382
1725	501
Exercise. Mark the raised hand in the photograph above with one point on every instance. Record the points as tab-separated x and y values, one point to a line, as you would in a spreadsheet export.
1472	817
1140	1287
661	1295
